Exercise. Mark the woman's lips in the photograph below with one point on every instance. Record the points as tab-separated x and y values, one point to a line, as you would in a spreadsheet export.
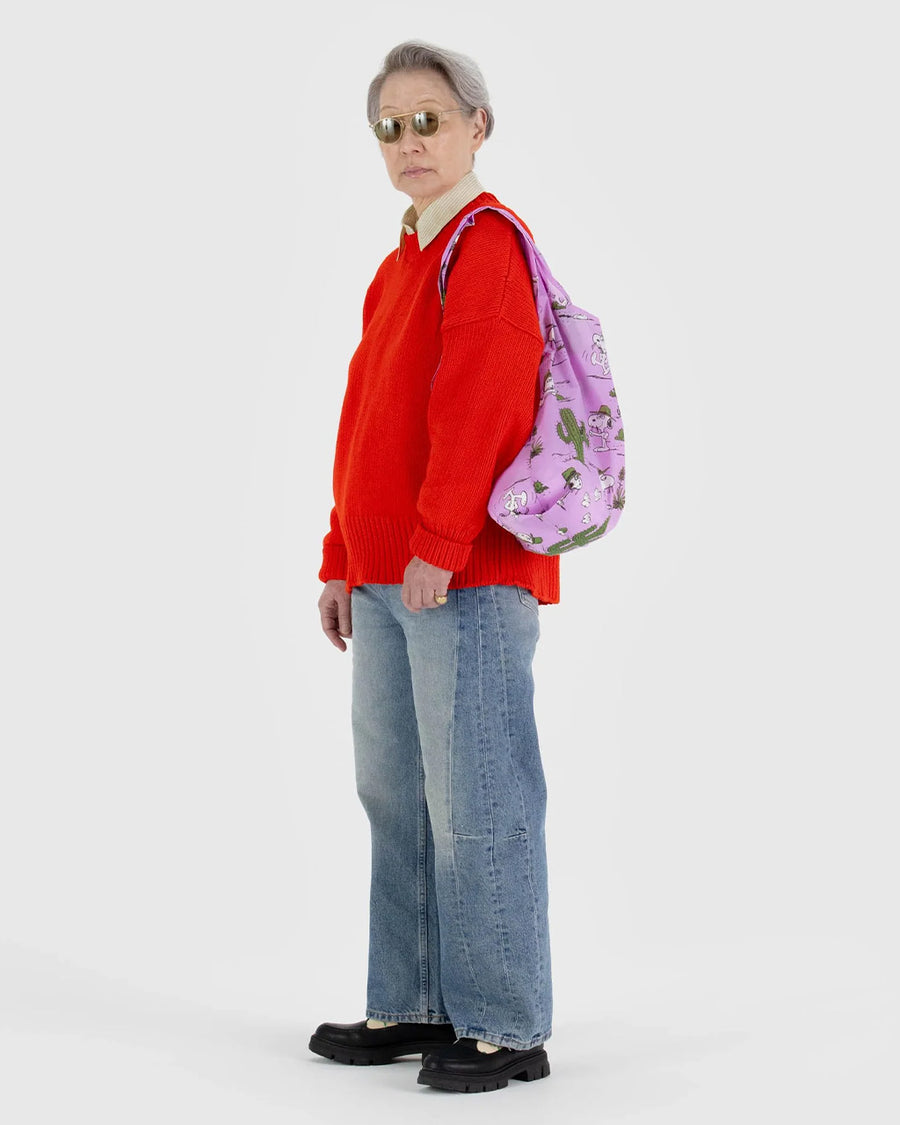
416	171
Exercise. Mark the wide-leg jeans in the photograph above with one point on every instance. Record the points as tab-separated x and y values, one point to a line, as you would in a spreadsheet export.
449	772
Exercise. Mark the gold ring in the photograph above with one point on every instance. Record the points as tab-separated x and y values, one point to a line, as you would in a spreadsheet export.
440	598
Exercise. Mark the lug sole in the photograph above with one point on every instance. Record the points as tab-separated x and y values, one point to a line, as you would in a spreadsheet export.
527	1070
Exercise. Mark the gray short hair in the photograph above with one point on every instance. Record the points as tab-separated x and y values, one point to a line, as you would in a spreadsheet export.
461	73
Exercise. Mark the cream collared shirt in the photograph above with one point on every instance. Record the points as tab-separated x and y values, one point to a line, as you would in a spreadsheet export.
440	211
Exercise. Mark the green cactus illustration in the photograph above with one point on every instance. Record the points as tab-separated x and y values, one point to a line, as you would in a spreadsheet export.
574	432
536	447
619	497
579	539
539	487
620	436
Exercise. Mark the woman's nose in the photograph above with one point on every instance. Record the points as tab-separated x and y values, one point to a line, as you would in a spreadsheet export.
410	142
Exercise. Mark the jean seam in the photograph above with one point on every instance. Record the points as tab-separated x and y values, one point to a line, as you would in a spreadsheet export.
422	876
524	595
528	836
499	889
452	850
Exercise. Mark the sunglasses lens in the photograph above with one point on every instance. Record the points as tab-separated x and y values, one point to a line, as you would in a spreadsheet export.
426	123
388	129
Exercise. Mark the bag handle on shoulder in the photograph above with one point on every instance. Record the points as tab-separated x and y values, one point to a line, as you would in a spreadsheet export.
531	251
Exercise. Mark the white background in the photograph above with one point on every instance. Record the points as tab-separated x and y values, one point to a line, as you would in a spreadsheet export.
193	208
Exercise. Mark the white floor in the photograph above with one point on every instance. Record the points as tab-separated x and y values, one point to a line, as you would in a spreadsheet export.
714	1035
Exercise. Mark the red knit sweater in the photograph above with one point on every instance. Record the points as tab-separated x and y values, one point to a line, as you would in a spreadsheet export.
414	464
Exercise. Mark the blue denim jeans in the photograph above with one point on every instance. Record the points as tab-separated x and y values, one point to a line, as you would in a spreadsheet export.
449	772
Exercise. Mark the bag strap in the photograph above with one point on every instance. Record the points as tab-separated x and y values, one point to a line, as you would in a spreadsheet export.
531	251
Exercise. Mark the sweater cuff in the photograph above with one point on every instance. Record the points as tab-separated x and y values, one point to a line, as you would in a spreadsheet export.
334	562
443	553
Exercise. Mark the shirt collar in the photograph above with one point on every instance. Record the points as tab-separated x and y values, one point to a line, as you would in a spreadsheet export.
440	211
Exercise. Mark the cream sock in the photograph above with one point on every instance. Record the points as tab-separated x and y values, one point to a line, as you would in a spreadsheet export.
487	1048
380	1023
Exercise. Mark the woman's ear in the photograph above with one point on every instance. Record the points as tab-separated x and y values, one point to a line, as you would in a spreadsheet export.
479	123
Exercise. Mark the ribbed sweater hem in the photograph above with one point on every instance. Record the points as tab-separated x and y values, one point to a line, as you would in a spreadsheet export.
377	550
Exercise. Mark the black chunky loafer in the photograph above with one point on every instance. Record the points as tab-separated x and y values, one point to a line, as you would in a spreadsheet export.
356	1044
461	1066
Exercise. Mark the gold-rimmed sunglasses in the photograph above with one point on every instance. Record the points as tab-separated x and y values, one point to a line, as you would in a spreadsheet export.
425	122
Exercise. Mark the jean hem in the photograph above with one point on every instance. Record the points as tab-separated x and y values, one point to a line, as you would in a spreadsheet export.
405	1017
502	1040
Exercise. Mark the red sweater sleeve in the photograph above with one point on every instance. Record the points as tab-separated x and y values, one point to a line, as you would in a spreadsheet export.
485	393
334	552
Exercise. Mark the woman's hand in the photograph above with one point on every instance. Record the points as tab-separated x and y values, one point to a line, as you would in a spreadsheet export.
334	609
421	581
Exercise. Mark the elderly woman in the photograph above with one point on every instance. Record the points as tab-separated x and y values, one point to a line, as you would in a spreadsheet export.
442	608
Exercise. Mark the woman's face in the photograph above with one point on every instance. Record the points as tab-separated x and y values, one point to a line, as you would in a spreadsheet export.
444	158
